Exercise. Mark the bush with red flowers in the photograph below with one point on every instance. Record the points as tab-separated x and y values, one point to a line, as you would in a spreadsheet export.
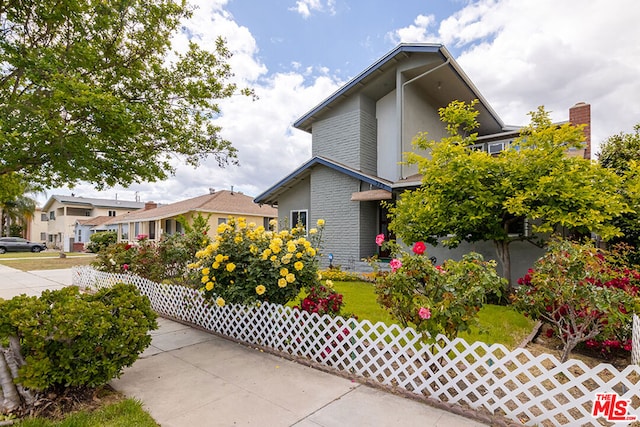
322	299
585	294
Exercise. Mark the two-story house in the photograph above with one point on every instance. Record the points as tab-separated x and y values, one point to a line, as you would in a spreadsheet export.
359	135
63	212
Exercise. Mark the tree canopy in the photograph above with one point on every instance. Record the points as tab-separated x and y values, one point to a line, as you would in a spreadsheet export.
91	90
621	154
471	195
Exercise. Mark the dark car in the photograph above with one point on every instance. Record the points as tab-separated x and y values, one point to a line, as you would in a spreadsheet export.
18	244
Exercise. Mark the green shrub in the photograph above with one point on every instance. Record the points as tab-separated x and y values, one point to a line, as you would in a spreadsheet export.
71	339
101	240
336	274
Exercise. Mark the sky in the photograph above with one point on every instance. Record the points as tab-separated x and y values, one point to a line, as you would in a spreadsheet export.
520	54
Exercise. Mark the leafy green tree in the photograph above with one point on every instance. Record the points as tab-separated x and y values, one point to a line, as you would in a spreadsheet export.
101	240
620	153
91	90
16	207
470	195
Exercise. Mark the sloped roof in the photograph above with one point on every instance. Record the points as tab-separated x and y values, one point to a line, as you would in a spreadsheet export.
91	202
270	196
221	202
380	76
95	221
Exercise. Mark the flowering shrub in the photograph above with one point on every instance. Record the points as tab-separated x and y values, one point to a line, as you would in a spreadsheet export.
338	275
322	299
247	264
436	299
584	294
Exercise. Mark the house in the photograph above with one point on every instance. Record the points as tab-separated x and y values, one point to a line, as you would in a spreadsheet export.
37	226
62	213
86	227
359	135
218	205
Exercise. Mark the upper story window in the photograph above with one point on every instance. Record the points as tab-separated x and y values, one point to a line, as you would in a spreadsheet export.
112	213
43	217
52	215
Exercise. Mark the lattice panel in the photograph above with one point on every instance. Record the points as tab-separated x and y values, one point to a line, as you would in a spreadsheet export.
533	390
635	349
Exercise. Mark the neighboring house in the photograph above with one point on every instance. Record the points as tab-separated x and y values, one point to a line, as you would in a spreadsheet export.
37	227
359	135
86	227
62	213
217	205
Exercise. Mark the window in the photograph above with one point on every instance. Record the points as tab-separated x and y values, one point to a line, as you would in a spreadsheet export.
496	147
152	230
52	215
79	236
178	228
43	217
519	227
136	228
112	213
167	226
222	221
299	217
43	237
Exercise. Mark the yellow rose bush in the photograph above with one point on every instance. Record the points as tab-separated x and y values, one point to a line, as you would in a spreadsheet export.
247	264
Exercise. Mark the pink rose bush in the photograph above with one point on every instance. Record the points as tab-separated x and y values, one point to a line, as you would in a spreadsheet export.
442	299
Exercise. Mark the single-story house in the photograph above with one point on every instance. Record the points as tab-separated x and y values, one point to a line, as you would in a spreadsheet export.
154	222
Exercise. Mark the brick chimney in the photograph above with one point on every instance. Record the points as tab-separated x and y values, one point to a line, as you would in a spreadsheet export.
580	114
150	205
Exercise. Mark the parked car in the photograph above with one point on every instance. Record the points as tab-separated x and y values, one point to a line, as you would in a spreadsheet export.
18	244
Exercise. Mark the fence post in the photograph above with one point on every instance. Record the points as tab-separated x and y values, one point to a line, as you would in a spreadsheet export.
635	341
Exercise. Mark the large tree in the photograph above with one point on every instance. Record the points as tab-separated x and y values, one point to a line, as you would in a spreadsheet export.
92	90
471	195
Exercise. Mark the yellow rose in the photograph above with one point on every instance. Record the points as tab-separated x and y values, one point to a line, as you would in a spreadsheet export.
237	239
205	271
205	279
209	286
329	284
298	265
284	272
291	247
273	258
215	265
319	276
220	302
313	231
311	252
282	282
230	267
299	255
320	222
260	289
290	278
219	258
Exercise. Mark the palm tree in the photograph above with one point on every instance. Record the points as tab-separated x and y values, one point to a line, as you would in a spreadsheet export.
17	210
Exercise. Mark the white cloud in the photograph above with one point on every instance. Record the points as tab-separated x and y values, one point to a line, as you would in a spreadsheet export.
526	53
418	32
305	7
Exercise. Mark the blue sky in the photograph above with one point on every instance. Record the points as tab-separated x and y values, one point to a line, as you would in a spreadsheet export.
519	53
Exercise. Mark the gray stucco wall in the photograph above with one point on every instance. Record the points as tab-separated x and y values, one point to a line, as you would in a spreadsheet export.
523	255
297	198
338	136
331	200
368	161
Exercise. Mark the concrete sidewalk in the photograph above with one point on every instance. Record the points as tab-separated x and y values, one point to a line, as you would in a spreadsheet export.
189	377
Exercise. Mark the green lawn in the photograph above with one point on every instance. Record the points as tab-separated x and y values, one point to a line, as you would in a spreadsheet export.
47	260
125	413
498	324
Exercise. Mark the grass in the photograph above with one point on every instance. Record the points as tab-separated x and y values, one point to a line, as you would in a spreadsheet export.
48	260
498	324
125	413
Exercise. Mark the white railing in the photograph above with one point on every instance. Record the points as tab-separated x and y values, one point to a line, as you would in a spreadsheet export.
635	341
532	390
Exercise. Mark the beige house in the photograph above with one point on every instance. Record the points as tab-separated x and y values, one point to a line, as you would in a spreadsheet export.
218	205
38	226
63	212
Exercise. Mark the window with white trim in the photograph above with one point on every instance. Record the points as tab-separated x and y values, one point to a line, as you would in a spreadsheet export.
298	217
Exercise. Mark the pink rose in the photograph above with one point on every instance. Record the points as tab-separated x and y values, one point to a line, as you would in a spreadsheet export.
419	248
424	313
395	264
379	239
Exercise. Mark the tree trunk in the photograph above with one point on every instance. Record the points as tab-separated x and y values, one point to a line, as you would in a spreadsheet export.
502	250
11	398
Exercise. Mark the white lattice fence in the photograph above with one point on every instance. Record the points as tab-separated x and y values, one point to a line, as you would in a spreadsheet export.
525	388
635	342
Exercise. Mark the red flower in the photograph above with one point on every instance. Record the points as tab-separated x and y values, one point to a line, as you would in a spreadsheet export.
419	248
